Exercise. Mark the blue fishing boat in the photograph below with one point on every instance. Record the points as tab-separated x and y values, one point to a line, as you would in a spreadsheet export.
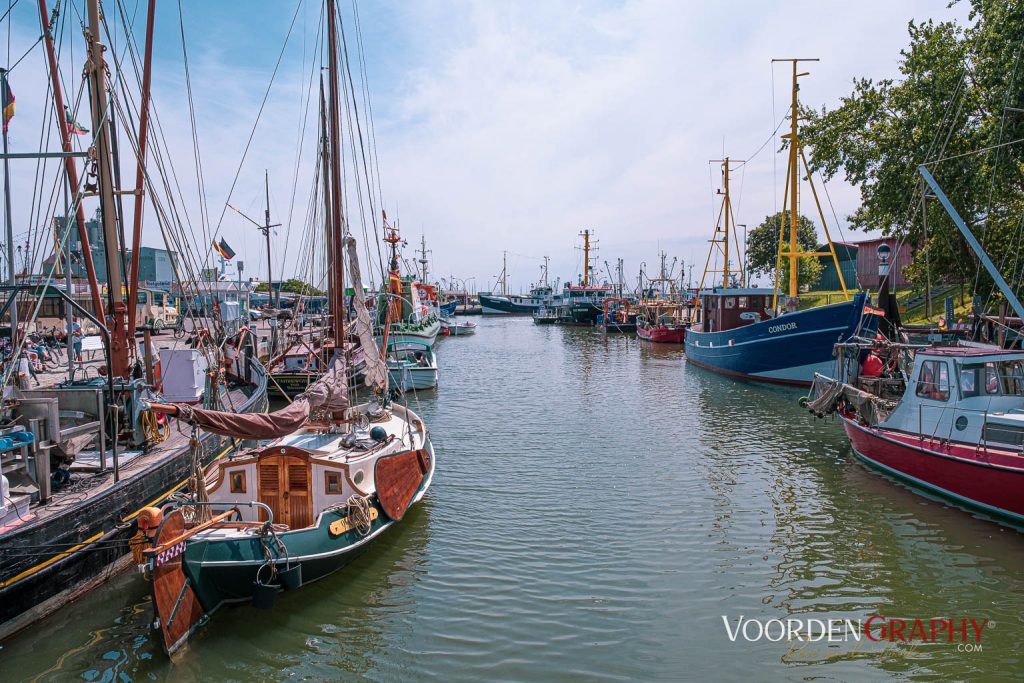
760	333
738	337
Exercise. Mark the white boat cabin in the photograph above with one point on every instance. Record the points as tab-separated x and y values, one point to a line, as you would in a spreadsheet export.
966	394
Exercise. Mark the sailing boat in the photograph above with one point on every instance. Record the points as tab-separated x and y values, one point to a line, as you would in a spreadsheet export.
327	479
744	331
86	456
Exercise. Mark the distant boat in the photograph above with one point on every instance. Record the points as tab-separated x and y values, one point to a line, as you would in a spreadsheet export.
448	309
411	365
514	304
457	328
663	316
503	303
407	309
617	316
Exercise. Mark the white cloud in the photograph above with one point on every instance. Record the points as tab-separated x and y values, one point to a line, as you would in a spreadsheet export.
512	125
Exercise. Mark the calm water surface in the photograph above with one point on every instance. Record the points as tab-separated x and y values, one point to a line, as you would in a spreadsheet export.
598	507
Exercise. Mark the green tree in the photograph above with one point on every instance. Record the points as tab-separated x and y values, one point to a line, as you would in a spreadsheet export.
954	96
763	249
293	286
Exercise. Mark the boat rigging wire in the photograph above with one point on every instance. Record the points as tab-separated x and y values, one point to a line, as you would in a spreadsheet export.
259	114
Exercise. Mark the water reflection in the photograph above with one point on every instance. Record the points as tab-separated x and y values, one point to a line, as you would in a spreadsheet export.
599	506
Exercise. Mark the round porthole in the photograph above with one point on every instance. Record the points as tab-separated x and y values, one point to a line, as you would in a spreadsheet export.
961	423
358	478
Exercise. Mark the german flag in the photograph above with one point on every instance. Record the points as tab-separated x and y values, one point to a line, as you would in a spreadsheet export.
223	249
7	97
871	310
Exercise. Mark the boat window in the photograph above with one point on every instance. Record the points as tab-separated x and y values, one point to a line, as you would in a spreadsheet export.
933	382
978	379
730	302
333	482
143	296
744	301
238	481
1011	374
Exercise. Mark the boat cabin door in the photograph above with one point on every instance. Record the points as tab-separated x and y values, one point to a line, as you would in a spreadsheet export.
284	486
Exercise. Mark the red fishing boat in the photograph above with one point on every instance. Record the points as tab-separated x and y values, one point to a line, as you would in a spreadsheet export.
664	315
956	428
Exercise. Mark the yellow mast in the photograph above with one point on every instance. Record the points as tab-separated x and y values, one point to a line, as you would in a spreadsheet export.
796	156
586	257
726	212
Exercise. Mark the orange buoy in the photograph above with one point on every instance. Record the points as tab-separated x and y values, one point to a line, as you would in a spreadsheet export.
150	518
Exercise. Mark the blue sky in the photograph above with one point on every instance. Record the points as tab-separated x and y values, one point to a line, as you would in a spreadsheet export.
501	125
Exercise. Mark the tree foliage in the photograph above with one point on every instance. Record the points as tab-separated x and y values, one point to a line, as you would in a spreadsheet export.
293	286
950	100
763	249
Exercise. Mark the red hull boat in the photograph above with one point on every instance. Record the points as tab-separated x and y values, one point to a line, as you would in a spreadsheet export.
662	334
984	478
946	419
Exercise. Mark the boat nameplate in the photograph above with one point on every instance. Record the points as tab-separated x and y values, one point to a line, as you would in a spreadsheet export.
347	524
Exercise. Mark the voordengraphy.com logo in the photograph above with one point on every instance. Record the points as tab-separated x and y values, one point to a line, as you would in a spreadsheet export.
877	628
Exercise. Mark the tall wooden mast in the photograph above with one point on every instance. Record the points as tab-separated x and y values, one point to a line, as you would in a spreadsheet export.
140	169
337	217
118	312
70	165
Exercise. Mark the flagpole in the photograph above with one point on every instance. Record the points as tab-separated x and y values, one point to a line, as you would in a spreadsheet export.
11	280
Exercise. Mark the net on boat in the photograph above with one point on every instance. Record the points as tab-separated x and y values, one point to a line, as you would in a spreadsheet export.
330	392
826	395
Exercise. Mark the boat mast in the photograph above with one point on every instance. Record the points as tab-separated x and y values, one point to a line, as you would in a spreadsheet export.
325	156
96	69
504	273
274	302
793	176
545	280
11	278
423	258
140	170
338	219
70	167
586	256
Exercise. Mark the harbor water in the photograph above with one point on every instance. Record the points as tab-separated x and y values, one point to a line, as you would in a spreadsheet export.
601	511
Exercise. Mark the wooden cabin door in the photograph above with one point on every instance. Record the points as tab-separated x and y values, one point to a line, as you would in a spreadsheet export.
284	486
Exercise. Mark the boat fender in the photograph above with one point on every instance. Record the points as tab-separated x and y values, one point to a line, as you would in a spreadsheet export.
150	518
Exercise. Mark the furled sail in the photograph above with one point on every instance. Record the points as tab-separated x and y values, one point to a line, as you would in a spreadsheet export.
376	371
330	392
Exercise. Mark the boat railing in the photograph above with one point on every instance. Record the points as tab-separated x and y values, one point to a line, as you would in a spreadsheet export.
982	444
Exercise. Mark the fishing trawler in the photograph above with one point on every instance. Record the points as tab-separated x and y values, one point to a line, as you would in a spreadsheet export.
662	315
409	307
81	459
327	479
754	333
503	303
945	418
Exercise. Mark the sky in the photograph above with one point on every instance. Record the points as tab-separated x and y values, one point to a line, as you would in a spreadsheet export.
499	125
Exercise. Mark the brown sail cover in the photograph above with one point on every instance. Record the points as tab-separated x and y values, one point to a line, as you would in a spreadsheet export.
329	392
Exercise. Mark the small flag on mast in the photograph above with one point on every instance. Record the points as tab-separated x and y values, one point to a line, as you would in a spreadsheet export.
223	249
74	127
7	97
